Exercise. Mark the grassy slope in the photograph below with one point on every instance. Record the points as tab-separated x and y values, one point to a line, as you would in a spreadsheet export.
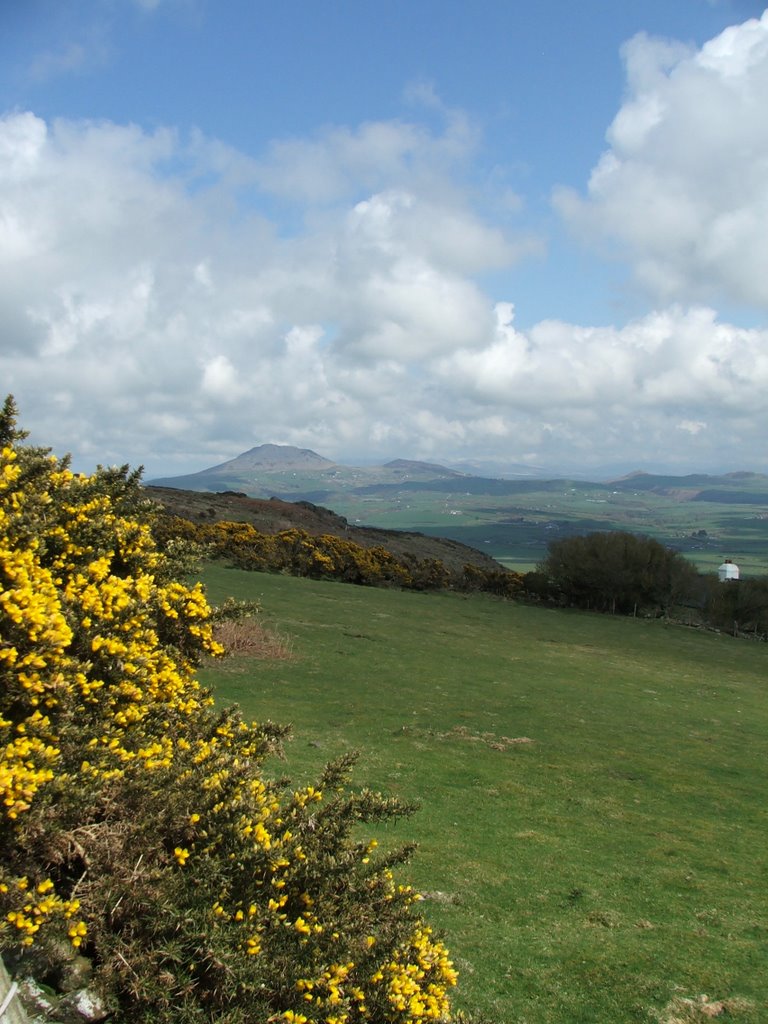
513	520
592	875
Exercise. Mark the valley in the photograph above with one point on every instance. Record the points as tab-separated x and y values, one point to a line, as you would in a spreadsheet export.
706	517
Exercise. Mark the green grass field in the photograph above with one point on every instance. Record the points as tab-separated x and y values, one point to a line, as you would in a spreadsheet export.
516	528
594	801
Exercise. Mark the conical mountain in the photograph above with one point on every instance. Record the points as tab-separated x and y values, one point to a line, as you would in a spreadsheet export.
256	471
273	457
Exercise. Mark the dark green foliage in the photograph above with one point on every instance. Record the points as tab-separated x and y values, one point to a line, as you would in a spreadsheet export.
616	572
9	432
738	606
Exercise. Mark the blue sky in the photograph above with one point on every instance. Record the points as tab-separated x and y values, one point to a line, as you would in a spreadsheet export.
529	234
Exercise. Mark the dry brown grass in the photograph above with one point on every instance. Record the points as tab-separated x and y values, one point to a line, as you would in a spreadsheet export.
461	732
248	637
682	1010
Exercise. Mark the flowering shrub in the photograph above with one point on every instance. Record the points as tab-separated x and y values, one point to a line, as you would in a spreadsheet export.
326	556
136	822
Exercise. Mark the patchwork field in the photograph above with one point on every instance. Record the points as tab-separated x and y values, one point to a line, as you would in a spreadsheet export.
706	517
516	525
592	789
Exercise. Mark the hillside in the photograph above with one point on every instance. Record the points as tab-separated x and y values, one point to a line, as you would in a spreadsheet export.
284	471
592	831
273	515
708	517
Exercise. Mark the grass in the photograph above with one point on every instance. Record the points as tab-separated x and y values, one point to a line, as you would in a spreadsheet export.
610	865
516	528
514	520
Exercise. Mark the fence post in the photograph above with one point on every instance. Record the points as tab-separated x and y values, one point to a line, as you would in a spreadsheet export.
11	1010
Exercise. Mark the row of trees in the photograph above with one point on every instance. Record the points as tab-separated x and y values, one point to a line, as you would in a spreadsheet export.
627	574
327	556
137	824
740	607
614	572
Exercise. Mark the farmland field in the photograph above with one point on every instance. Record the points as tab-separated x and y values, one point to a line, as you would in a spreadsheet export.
708	518
516	528
592	789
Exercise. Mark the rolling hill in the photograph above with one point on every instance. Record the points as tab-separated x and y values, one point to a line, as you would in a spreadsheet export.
274	515
512	519
271	470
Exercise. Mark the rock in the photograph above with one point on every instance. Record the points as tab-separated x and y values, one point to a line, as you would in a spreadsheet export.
76	974
36	1000
84	1006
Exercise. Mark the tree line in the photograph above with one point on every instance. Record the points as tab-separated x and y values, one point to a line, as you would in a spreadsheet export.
616	572
626	574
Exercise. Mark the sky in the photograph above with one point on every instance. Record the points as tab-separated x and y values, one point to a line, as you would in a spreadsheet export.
529	236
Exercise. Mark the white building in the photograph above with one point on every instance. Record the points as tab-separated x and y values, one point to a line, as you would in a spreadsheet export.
728	571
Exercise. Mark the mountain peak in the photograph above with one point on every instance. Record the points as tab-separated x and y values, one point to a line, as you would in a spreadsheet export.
411	466
275	456
630	476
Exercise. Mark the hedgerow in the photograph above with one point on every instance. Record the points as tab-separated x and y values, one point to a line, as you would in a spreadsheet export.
137	823
326	556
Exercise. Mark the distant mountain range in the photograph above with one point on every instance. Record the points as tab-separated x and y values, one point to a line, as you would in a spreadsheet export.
293	474
512	519
273	470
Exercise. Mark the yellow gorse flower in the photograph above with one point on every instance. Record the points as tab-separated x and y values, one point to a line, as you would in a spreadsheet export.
98	691
82	609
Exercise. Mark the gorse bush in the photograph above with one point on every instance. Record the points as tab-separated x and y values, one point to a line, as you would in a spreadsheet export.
137	823
326	556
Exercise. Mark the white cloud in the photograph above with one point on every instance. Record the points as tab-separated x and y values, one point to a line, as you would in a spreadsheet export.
622	390
21	142
666	361
141	322
340	162
220	380
72	57
401	223
692	426
682	191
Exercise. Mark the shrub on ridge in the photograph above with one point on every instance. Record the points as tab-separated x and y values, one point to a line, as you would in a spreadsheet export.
136	821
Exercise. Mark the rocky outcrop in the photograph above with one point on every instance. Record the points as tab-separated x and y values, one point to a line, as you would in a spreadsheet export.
67	996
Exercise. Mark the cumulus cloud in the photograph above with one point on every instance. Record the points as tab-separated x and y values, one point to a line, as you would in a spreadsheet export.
682	191
139	317
340	162
150	314
676	379
666	362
